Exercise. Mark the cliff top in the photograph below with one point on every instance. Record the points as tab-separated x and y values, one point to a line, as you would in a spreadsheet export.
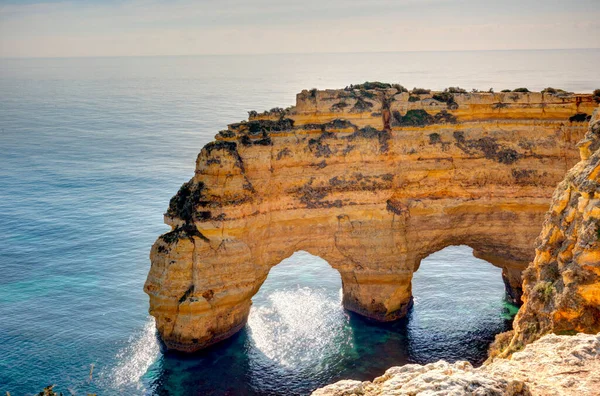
378	91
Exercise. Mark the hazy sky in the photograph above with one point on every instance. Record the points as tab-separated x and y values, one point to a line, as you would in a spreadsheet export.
181	27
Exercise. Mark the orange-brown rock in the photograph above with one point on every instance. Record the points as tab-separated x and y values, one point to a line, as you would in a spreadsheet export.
372	181
562	284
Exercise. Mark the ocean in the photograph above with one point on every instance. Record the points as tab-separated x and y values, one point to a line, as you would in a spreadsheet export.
92	149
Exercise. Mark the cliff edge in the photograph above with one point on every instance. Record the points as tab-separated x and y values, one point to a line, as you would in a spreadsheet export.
562	284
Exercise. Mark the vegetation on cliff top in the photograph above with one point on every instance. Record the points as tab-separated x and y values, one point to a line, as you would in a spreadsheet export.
368	85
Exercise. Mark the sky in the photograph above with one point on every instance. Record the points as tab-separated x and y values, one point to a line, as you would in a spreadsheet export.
184	27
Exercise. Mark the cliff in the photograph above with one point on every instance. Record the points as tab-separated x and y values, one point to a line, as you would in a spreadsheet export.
372	179
552	366
562	284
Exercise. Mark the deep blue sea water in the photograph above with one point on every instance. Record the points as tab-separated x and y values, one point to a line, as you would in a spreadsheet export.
92	149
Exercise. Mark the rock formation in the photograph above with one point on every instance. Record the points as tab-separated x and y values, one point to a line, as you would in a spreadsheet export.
562	284
372	179
552	366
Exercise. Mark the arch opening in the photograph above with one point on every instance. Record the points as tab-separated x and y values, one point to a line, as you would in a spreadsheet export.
297	318
460	304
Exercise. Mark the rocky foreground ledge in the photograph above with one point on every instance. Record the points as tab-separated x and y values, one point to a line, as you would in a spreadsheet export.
553	365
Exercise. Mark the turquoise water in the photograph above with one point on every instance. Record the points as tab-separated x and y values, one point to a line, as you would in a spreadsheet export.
91	150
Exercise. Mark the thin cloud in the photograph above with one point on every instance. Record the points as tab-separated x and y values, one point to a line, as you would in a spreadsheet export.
109	28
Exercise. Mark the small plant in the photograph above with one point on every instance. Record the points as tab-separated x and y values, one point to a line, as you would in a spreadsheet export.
435	138
567	332
501	342
370	85
445	97
313	92
413	98
520	90
506	90
455	90
420	91
555	91
597	95
48	391
417	117
400	88
544	291
277	111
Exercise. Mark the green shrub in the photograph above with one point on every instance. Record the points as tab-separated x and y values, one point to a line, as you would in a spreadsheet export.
455	90
555	91
413	98
520	90
506	90
399	87
543	291
420	91
417	117
370	85
445	97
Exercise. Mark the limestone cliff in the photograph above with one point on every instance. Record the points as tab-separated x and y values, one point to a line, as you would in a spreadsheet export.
562	284
552	366
370	179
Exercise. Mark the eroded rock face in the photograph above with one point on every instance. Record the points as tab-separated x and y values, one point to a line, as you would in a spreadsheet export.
562	284
372	181
552	366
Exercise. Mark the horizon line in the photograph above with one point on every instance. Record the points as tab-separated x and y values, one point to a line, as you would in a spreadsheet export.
289	53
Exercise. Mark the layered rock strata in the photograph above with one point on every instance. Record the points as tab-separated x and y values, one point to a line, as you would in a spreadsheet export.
372	181
562	284
552	366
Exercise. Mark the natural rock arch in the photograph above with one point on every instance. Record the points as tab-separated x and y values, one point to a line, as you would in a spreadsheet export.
369	180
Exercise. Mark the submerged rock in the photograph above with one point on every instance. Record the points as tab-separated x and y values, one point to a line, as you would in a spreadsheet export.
552	366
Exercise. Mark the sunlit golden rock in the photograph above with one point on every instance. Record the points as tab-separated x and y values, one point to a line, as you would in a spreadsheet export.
372	181
562	284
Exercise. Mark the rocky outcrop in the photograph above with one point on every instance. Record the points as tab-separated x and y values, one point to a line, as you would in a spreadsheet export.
562	284
553	365
372	179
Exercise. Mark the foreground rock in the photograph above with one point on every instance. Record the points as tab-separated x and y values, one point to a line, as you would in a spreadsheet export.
562	285
553	365
372	179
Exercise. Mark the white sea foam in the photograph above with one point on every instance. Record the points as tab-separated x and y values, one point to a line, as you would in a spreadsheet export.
134	359
299	327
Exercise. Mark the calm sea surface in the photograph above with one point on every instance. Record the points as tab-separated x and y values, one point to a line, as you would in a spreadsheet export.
91	150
